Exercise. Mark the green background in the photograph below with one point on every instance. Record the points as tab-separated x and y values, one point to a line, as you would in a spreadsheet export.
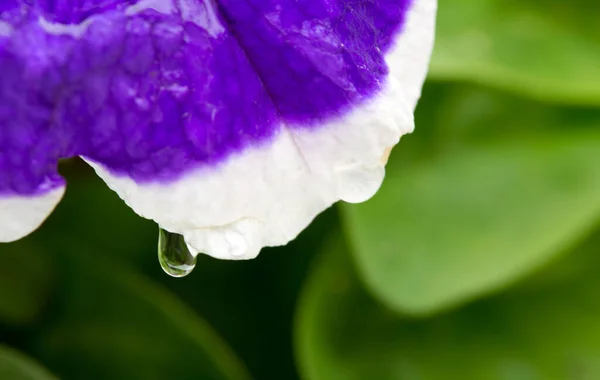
478	259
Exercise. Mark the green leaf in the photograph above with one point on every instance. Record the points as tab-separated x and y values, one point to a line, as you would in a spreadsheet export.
544	329
16	366
113	324
549	49
26	281
450	228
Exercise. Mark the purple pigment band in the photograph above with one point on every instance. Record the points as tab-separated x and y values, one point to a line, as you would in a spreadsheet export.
153	88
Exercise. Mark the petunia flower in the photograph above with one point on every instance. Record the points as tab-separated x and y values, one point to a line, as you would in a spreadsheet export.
230	122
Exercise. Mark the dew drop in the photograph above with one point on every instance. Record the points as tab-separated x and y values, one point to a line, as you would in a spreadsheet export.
174	255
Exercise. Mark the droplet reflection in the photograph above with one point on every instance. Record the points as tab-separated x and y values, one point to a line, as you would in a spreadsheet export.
174	255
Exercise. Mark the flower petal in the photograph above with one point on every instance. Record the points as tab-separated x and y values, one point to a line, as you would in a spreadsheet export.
233	123
22	214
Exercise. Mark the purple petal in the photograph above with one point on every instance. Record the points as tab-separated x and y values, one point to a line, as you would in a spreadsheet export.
157	91
151	89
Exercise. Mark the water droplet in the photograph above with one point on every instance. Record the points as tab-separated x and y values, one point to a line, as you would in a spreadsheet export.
174	255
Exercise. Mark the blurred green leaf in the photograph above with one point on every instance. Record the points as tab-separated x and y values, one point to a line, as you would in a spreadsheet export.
549	49
26	280
263	290
16	366
93	211
547	328
456	226
109	323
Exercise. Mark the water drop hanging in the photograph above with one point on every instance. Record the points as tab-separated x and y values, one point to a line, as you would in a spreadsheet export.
174	255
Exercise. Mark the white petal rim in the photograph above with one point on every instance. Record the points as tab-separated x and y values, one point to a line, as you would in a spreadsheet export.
22	214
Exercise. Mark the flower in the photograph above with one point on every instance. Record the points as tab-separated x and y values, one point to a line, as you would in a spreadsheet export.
230	122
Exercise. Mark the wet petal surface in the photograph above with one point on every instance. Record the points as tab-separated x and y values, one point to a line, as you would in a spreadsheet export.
185	101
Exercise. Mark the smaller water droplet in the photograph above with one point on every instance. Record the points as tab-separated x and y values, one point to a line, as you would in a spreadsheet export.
174	255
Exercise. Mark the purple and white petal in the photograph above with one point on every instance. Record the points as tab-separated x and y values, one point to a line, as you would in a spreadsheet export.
231	122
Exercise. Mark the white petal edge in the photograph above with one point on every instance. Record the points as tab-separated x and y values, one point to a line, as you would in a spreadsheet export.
20	215
409	58
266	195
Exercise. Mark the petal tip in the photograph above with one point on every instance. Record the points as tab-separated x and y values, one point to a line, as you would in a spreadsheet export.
20	215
